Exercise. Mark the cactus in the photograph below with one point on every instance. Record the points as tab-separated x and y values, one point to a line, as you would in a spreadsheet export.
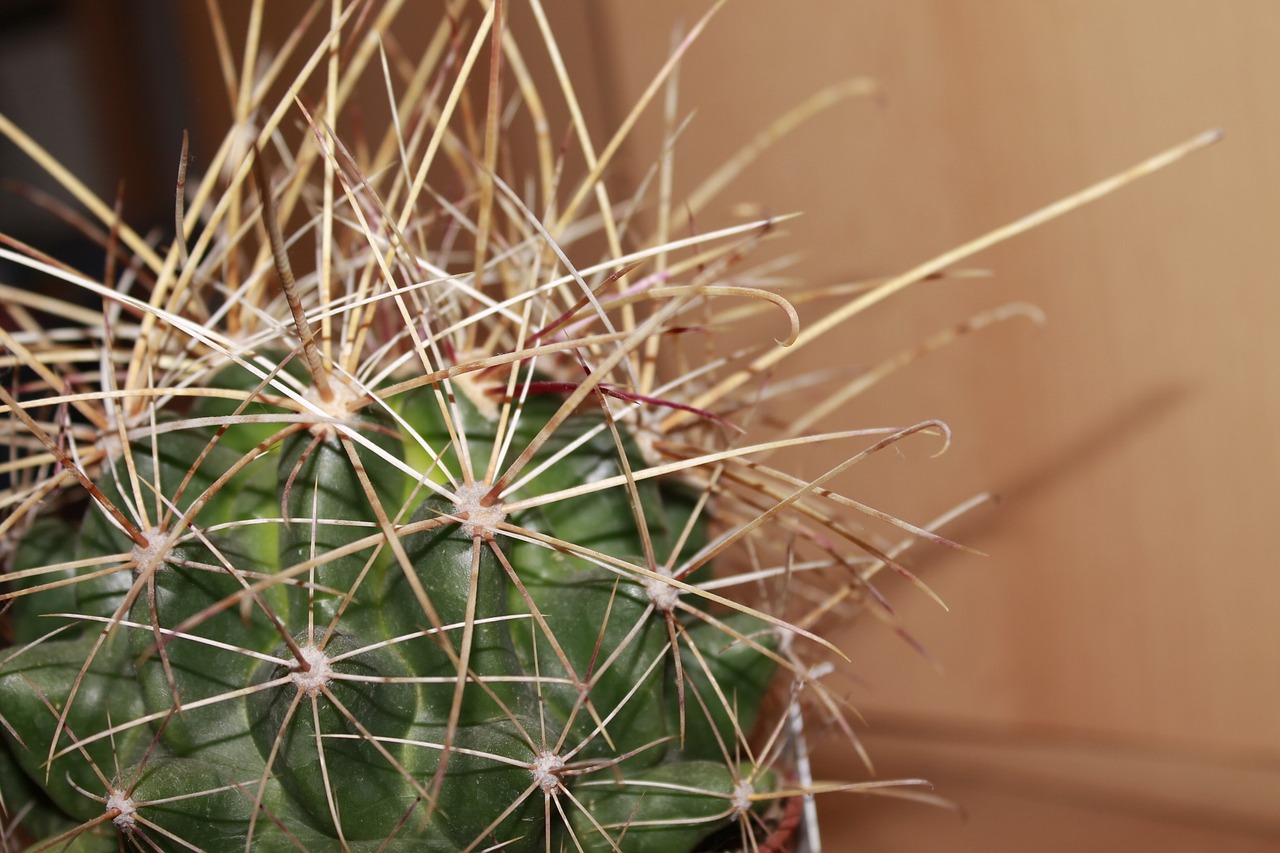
454	540
383	554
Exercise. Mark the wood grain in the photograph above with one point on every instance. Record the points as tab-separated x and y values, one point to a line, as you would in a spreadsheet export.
1131	591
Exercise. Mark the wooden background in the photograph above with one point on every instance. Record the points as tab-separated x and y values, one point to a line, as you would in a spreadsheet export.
1110	674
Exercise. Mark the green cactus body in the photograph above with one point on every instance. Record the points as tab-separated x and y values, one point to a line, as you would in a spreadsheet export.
194	704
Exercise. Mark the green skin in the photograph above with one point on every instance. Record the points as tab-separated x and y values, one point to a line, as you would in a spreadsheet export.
223	748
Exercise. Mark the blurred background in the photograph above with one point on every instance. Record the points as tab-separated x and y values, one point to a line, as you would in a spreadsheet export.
1108	678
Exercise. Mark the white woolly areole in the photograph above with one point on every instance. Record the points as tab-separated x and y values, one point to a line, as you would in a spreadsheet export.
481	520
123	803
312	680
546	771
151	558
740	799
341	407
663	595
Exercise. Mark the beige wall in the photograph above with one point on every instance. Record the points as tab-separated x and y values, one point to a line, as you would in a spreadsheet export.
1121	640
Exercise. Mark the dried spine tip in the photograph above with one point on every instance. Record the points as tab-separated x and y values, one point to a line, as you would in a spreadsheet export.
280	255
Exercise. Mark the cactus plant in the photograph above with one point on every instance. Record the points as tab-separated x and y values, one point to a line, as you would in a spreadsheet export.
448	540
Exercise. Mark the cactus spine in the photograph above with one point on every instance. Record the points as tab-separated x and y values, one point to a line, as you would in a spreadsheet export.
402	551
451	538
